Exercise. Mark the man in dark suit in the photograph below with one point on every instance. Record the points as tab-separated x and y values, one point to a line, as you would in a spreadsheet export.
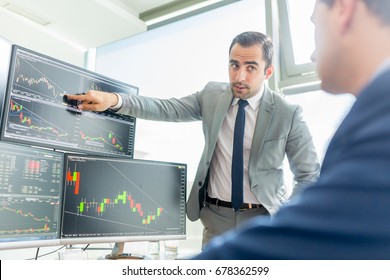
274	128
345	215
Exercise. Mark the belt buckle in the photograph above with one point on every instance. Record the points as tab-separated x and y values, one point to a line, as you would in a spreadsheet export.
245	207
248	206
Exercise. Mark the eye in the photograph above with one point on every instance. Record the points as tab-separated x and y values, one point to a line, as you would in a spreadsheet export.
251	68
234	65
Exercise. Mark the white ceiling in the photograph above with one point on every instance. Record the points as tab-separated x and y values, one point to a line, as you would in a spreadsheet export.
84	24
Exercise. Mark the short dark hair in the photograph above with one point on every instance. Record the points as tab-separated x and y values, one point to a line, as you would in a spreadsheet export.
250	38
379	8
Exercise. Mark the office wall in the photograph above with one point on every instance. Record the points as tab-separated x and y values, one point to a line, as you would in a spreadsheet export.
323	113
177	60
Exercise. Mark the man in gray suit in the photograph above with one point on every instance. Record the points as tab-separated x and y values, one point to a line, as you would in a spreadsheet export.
273	128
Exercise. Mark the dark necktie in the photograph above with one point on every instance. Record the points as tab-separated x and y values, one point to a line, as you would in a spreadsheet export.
237	159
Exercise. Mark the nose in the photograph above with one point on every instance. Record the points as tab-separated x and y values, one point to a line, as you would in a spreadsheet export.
241	75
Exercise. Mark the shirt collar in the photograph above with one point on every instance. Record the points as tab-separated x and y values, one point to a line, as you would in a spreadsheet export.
254	101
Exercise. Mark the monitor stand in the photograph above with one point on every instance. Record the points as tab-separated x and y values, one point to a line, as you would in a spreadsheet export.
117	253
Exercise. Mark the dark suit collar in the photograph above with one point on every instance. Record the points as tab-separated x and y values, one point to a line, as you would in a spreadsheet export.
371	104
377	89
383	68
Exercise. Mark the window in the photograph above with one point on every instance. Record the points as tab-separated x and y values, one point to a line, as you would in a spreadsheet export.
301	30
296	43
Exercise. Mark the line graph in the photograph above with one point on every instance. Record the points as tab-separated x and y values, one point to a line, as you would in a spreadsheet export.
27	83
23	215
43	81
45	78
37	114
110	139
101	131
40	120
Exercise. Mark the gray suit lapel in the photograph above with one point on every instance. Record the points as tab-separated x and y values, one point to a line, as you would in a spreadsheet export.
263	121
221	109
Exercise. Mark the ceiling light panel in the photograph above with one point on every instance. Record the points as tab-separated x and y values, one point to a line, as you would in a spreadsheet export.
27	14
3	3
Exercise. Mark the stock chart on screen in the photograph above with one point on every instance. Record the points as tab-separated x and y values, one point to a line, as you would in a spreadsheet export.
30	196
36	114
123	198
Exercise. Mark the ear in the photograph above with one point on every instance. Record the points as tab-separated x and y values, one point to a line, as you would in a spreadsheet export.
269	71
346	12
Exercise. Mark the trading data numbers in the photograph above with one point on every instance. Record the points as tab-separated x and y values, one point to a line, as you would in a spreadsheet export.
30	192
37	114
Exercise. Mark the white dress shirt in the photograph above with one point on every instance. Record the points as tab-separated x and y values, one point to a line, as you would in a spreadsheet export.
220	184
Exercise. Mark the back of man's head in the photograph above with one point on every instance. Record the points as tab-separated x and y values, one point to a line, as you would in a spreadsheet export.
380	8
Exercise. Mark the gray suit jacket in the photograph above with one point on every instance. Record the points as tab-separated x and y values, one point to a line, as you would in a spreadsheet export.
279	131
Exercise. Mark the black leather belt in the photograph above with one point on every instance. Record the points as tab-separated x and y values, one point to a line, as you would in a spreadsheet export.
218	202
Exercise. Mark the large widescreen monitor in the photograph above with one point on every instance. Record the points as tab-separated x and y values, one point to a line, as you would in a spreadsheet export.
35	112
119	200
31	182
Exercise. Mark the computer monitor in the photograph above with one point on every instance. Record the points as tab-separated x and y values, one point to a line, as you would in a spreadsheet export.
110	199
31	182
36	113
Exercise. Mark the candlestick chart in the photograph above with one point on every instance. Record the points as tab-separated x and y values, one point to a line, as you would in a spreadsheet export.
123	197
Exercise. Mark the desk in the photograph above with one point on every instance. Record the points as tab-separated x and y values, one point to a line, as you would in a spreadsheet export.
187	249
142	249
